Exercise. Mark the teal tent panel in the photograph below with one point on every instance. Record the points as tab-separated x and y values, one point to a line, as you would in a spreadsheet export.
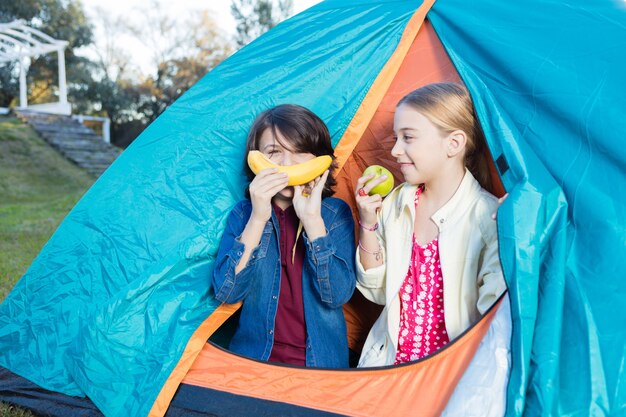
547	80
109	304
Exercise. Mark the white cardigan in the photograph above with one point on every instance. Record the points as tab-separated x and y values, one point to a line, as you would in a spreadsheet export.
470	264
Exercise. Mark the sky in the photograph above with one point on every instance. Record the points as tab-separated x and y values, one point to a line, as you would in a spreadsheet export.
131	9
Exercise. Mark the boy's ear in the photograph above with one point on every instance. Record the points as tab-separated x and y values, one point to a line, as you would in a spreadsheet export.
456	143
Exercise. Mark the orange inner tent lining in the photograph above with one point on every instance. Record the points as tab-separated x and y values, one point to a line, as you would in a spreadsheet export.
419	59
426	62
355	392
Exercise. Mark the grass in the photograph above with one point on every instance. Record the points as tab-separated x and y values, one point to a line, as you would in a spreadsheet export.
38	187
12	411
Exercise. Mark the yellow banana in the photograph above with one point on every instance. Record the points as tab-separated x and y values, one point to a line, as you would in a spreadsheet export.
298	174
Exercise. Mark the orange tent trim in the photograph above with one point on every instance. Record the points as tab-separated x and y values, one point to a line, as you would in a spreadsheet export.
196	343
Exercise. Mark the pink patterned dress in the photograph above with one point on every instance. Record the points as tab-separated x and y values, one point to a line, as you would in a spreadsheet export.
422	323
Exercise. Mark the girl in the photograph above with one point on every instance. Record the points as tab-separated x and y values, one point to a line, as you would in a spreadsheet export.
288	252
429	251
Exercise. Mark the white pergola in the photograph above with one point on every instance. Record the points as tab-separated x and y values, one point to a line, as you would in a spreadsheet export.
19	42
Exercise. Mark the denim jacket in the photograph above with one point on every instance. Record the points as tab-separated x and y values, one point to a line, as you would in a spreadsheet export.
328	275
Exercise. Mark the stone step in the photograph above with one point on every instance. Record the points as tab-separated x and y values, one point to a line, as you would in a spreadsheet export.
57	128
80	140
73	140
84	156
71	133
52	122
80	143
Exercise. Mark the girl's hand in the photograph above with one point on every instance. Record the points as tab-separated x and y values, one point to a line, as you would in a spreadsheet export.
307	198
368	205
265	185
307	202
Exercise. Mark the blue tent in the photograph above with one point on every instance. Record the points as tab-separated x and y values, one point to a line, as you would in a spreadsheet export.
110	305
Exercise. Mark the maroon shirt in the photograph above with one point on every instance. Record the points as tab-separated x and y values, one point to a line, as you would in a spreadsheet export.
289	325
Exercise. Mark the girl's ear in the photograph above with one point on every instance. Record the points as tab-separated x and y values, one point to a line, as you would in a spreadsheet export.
456	143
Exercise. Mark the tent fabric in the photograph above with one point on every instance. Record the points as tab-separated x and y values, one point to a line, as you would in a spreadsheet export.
547	81
21	392
193	348
189	401
200	402
117	301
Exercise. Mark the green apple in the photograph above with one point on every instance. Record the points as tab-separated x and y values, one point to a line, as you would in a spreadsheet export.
384	187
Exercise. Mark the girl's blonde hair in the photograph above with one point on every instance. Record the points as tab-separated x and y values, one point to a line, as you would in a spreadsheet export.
449	107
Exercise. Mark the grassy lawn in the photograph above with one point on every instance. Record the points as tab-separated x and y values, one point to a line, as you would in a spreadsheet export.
38	187
11	411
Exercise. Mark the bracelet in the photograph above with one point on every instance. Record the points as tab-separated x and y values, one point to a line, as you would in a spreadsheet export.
377	254
370	228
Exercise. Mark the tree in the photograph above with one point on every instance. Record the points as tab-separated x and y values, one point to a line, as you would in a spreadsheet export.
182	52
9	84
24	9
110	85
107	88
255	17
199	49
60	19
